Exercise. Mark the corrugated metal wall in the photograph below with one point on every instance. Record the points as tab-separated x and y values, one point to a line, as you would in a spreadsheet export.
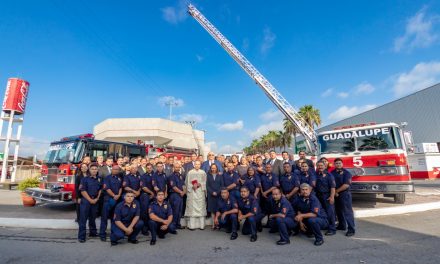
421	110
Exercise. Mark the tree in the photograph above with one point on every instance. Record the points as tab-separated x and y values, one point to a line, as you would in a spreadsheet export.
291	130
310	115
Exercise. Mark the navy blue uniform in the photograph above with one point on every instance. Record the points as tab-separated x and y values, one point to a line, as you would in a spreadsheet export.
282	224
113	183
162	211
250	205
176	180
324	183
160	181
268	181
252	183
230	222
132	181
309	178
88	211
146	181
125	213
288	182
230	178
343	203
312	205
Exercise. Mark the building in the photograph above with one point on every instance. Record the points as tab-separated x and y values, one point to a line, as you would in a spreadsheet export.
420	110
154	131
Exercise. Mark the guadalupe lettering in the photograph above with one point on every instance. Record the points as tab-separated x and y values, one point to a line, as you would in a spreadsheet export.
357	134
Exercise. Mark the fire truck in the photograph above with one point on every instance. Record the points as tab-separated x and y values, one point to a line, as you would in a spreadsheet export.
375	154
63	159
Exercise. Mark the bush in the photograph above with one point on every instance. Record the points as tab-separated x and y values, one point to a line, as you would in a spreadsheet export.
28	183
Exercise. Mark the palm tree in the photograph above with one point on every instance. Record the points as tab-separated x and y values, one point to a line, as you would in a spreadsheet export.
285	139
291	130
310	115
272	139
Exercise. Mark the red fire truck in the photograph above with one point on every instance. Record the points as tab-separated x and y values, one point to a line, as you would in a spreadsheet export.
62	160
375	154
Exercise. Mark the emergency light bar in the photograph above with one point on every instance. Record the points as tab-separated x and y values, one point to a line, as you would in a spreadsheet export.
89	135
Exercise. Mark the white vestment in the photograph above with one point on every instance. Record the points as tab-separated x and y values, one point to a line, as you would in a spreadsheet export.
195	211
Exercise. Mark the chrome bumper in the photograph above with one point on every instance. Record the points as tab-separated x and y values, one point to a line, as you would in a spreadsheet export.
385	187
49	196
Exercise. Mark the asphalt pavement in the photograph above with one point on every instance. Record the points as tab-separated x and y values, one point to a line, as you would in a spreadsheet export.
411	238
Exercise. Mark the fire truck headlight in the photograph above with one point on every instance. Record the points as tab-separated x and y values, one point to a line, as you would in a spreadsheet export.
388	171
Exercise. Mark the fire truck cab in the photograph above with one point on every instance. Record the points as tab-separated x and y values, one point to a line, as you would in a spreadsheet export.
375	154
63	158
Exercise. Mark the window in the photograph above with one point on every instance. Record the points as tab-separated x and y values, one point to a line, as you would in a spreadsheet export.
97	149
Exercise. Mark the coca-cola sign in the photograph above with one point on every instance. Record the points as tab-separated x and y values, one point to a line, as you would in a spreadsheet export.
16	95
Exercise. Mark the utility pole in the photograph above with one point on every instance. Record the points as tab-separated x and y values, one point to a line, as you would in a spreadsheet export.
171	103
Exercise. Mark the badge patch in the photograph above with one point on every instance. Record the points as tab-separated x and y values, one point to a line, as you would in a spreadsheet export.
134	205
165	206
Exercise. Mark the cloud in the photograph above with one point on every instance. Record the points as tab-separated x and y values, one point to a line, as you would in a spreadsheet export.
263	129
240	143
212	145
345	111
175	14
364	88
190	117
226	149
419	32
30	146
423	75
199	57
230	126
245	44
343	95
166	100
272	114
327	92
268	40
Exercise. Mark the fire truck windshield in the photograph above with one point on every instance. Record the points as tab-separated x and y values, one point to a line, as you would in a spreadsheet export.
64	152
360	140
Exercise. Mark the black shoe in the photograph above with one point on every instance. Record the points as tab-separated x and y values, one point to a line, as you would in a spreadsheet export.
259	228
234	236
318	242
340	228
180	227
309	235
133	241
253	238
161	236
152	242
272	231
295	233
103	239
113	243
93	235
145	233
81	240
283	242
173	232
330	233
228	231
349	233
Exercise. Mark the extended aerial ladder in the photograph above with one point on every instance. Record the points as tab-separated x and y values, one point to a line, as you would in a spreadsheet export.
280	102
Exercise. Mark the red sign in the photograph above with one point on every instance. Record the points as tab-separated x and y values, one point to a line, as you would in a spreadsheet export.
16	95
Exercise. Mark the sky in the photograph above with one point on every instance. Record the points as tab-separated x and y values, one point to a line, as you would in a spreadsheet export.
87	61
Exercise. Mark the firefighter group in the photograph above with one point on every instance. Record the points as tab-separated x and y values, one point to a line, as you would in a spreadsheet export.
151	196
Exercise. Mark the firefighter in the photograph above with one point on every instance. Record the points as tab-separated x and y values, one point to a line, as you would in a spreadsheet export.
126	220
90	188
112	191
250	212
281	216
343	201
325	191
306	175
269	182
177	189
289	182
160	179
226	215
147	195
310	217
161	218
252	181
132	182
231	180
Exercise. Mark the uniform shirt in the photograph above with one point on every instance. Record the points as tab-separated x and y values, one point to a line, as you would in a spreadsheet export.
91	185
308	178
132	181
248	205
162	211
112	182
147	181
226	205
268	181
342	177
160	180
324	183
125	213
230	178
308	205
252	183
282	206
176	179
288	182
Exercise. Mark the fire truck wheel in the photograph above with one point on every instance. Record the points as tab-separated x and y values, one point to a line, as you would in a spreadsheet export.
399	198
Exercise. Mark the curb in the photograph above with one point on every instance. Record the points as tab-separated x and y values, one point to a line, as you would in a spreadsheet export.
69	224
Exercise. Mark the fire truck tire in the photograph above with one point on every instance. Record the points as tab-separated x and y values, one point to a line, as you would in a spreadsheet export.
399	198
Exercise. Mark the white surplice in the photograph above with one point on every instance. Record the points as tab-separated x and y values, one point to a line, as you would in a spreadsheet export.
195	211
